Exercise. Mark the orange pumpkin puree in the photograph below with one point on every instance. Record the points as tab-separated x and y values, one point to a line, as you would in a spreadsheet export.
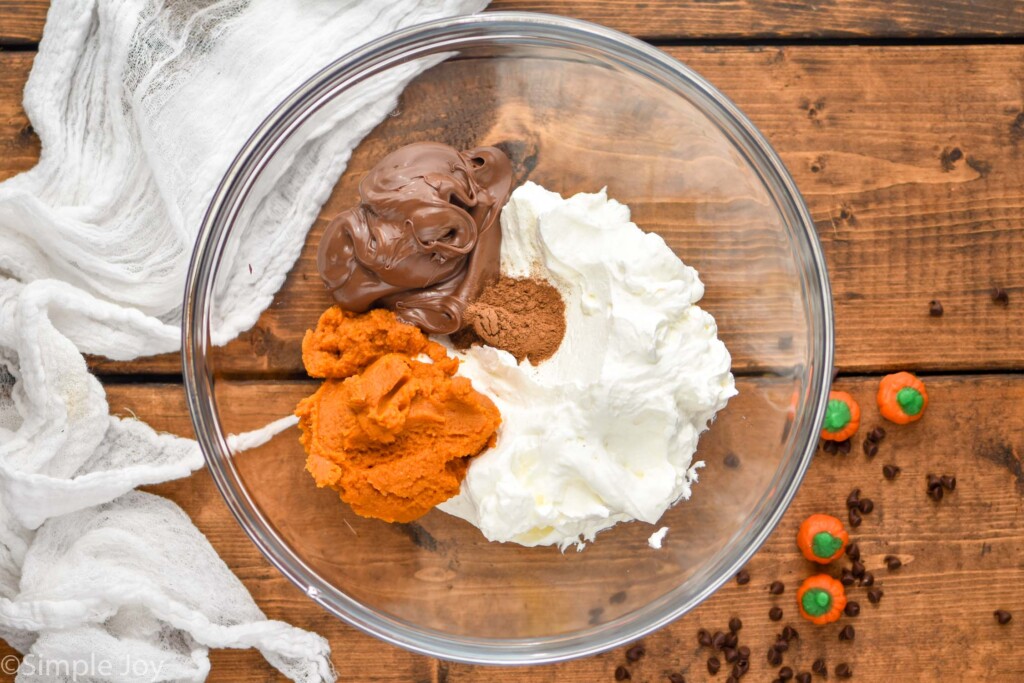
391	433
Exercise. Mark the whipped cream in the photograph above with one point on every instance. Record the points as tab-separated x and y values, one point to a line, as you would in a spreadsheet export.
605	430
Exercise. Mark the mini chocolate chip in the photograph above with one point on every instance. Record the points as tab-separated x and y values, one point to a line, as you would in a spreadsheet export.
852	608
875	596
744	652
936	494
676	678
948	482
877	434
635	653
1002	616
890	472
743	577
704	638
775	613
732	679
857	569
955	154
785	673
735	624
790	633
892	562
731	460
866	506
622	673
868	579
855	518
853	551
870	449
617	598
934	481
853	499
1000	296
718	640
774	656
714	666
781	645
741	668
731	640
803	677
730	654
847	633
846	578
935	308
844	447
843	670
819	667
777	588
830	447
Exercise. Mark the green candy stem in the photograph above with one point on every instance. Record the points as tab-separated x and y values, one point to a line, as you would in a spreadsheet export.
816	602
825	545
837	415
910	400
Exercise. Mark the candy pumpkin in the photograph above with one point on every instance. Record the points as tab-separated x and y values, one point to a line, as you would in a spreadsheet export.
902	398
821	599
842	417
822	538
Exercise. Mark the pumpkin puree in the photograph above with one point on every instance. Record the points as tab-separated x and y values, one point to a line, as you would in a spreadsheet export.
392	432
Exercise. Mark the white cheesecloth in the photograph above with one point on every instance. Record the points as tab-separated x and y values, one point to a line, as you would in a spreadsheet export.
140	106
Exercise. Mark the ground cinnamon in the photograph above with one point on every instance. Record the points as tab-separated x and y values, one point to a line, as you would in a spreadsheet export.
524	316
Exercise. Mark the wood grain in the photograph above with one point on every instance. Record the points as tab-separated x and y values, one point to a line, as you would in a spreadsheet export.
963	557
21	21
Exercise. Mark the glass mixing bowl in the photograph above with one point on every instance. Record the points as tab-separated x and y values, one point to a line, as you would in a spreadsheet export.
577	107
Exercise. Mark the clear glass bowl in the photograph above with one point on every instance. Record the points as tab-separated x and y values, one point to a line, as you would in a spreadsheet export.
578	107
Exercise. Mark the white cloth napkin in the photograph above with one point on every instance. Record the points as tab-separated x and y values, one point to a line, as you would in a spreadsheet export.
140	106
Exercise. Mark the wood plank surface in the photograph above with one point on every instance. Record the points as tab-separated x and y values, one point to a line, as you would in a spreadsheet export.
21	21
963	557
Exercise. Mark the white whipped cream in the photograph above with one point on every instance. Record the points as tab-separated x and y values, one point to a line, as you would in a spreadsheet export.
657	537
605	430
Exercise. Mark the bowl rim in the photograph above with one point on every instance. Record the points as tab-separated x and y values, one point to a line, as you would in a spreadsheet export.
459	32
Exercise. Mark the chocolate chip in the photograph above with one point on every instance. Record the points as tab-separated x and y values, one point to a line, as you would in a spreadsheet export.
847	633
774	656
877	434
852	608
635	653
948	482
785	673
853	499
830	447
622	673
857	569
732	679
855	518
955	154
731	640
741	668
790	633
775	613
777	588
743	577
718	640
843	670
803	677
870	448
853	551
844	447
730	654
866	506
1000	296
676	678
890	472
781	644
935	494
875	596
892	562
846	578
868	579
819	667
735	624
617	598
935	308
731	460
744	652
714	665
1002	616
934	482
704	638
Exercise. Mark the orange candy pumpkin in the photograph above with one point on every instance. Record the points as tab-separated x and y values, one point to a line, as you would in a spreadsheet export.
902	398
821	599
842	417
822	538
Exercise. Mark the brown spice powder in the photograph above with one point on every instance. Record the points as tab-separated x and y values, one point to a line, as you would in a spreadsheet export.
525	317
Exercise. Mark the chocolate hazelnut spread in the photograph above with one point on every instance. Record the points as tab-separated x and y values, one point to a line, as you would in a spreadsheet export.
424	239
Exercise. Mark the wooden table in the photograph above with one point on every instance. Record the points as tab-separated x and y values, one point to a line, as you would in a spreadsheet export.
903	124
